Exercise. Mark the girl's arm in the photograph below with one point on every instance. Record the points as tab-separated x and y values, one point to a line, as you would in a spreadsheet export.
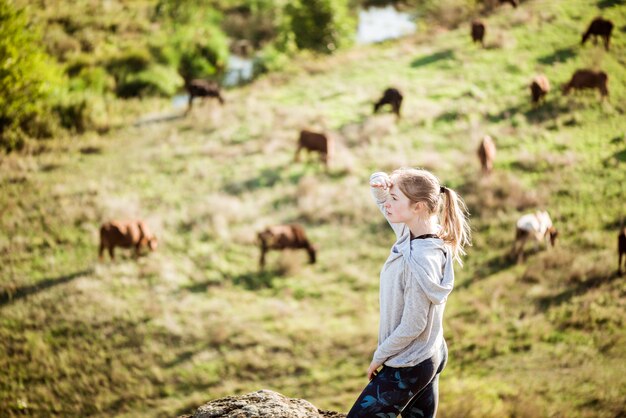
379	187
415	314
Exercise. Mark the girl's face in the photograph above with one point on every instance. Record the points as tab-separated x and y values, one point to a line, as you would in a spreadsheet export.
399	208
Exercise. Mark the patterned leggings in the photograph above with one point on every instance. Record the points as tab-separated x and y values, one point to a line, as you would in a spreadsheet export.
416	387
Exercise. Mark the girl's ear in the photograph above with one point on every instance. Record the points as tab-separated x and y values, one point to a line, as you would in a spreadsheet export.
418	206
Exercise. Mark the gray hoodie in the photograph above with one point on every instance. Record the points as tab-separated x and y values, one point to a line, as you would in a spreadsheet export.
415	282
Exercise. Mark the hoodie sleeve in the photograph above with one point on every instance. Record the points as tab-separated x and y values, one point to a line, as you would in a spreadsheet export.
413	323
380	196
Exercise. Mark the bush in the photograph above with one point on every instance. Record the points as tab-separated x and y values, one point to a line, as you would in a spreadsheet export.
157	80
95	79
320	25
204	52
28	76
60	44
128	62
80	112
256	22
450	13
78	63
270	59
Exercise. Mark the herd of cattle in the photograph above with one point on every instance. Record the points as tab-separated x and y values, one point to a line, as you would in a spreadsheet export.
536	226
582	78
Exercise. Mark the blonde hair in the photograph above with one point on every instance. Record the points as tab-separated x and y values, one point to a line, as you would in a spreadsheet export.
422	186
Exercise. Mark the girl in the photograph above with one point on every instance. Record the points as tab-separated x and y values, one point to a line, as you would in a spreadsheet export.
415	282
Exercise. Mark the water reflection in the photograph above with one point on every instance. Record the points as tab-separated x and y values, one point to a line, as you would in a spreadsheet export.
377	24
238	70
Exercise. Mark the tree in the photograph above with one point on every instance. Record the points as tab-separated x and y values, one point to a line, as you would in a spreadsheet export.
27	74
320	25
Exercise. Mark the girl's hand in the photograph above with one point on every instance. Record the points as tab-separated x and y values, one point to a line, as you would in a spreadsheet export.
372	371
382	183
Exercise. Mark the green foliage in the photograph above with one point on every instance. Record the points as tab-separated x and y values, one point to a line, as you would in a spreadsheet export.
203	52
271	59
257	21
80	111
320	25
197	320
450	13
157	80
27	75
128	62
95	79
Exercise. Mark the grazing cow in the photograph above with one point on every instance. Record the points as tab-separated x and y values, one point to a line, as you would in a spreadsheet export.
126	234
486	154
621	250
281	237
315	142
392	97
202	88
537	226
478	32
599	27
539	87
511	2
588	79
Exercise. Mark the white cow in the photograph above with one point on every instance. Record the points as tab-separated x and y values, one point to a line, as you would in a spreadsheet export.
536	225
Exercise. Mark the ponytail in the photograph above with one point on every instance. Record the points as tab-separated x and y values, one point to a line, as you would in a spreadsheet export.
422	186
455	229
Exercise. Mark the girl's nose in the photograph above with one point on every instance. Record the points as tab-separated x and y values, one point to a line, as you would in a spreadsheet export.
387	205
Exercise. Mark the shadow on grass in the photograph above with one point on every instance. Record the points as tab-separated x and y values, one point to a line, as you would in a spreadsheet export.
432	58
618	139
449	116
620	155
255	280
268	177
9	296
560	55
337	174
187	411
202	287
492	266
549	110
615	224
90	150
546	302
182	358
147	120
504	114
605	4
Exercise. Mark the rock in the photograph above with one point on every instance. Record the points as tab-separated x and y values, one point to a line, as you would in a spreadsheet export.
263	403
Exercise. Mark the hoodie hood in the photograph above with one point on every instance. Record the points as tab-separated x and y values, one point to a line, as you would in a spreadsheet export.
431	261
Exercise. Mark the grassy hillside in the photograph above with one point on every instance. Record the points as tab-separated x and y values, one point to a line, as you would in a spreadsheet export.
196	320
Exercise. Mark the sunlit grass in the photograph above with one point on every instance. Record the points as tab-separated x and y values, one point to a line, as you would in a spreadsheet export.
197	319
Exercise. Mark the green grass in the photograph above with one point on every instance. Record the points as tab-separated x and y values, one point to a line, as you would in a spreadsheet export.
196	320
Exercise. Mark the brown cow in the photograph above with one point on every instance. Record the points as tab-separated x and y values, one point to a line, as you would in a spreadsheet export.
539	87
281	237
487	153
588	79
315	142
599	27
392	97
511	2
478	32
621	250
126	234
202	88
